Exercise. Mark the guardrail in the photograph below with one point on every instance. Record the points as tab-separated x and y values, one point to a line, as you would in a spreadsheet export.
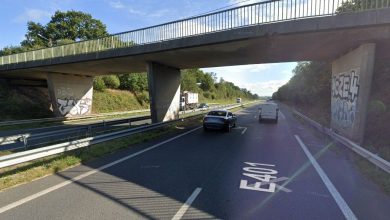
63	119
29	140
248	15
26	156
375	159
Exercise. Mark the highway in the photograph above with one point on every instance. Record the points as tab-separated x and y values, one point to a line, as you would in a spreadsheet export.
210	175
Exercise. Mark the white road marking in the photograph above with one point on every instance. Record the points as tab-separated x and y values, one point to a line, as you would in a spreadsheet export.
281	188
243	132
282	115
348	214
187	204
77	178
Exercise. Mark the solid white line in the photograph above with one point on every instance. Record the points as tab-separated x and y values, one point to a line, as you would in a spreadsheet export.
282	115
348	214
187	204
77	178
243	132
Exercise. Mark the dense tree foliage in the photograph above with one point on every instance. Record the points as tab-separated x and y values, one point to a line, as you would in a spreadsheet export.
135	82
206	84
355	5
64	27
310	81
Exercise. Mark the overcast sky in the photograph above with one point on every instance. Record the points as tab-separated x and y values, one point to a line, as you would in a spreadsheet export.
125	15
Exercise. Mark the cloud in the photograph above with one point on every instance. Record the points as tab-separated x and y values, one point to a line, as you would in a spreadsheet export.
264	88
117	4
35	15
263	79
131	10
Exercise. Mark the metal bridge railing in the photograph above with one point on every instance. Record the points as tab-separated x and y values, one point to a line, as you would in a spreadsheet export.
248	15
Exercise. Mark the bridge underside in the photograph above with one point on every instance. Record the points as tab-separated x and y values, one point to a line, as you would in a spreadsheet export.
320	46
322	39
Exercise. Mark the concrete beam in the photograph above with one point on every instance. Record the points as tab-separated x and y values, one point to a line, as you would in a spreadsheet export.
319	39
164	92
351	86
70	95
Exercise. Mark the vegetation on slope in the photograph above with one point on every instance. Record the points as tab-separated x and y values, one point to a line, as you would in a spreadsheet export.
309	90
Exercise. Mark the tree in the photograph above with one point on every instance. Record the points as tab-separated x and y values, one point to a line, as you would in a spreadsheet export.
11	50
135	82
356	5
64	27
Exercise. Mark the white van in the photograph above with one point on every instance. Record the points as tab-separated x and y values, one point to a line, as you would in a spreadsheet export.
268	111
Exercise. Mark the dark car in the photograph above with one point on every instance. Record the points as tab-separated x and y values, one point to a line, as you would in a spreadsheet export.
219	119
203	106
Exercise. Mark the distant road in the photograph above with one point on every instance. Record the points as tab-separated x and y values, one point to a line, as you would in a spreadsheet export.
210	175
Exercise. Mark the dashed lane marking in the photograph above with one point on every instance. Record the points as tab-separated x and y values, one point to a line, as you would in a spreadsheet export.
179	215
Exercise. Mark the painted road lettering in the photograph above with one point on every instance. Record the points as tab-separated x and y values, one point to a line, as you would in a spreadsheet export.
265	179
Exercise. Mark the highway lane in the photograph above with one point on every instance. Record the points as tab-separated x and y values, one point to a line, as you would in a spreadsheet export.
156	183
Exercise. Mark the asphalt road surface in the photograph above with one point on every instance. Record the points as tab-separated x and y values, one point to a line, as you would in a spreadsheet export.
257	171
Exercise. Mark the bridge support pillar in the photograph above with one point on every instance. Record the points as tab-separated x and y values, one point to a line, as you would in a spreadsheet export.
70	95
351	84
164	92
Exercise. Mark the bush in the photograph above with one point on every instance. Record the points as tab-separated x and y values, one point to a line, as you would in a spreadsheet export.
111	81
98	84
135	82
143	97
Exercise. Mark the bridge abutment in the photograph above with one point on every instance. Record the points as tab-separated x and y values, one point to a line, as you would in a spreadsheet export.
70	95
351	85
164	92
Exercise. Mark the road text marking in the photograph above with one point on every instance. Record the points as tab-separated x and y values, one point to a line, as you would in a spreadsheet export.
77	178
187	204
348	214
264	176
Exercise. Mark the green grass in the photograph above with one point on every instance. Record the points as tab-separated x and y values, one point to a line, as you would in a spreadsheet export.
115	101
29	171
374	173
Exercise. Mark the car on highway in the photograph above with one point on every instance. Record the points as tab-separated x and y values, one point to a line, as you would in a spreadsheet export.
268	111
203	106
219	119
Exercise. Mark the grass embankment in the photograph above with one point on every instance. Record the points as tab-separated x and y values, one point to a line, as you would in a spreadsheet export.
117	100
23	102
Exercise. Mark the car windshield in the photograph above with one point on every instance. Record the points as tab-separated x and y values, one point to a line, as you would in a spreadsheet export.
217	113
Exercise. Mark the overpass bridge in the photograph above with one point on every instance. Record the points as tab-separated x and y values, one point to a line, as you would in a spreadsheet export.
266	32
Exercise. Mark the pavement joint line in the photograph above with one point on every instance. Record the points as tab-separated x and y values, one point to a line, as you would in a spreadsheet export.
348	214
77	178
184	208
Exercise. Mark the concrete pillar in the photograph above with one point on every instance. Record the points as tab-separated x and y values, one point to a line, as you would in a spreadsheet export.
164	92
70	95
351	85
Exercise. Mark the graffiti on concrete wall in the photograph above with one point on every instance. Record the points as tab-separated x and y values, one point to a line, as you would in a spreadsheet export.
74	107
345	91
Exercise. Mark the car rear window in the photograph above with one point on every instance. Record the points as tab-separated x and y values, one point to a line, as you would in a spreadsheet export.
217	113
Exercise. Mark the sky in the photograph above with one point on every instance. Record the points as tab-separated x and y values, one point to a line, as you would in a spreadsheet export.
126	15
